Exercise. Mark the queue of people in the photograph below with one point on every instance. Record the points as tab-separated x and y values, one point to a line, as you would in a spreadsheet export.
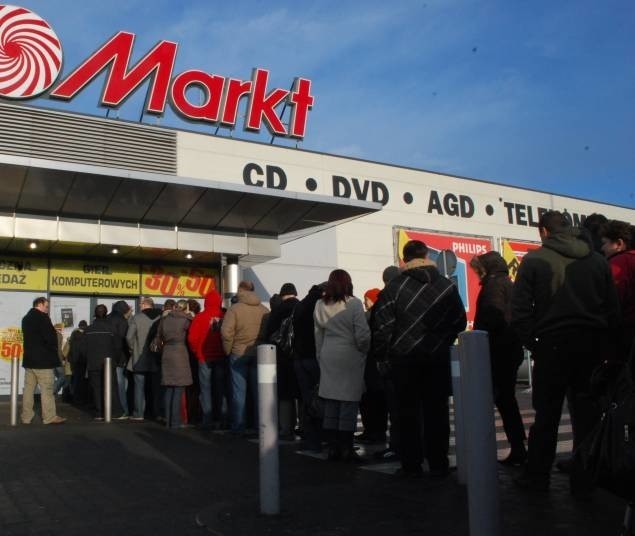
387	357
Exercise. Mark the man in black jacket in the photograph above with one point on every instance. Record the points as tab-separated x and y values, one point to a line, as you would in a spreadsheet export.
97	344
564	307
39	361
416	318
118	319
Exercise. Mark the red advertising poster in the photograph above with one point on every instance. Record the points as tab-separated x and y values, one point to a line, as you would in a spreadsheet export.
513	252
464	247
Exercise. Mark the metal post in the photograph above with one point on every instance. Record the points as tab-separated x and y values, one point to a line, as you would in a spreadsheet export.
15	376
459	433
108	389
480	433
268	421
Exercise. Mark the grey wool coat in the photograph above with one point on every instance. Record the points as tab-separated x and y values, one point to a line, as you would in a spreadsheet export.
342	340
175	359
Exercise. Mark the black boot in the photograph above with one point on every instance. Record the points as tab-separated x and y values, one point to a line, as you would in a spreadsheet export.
334	451
348	450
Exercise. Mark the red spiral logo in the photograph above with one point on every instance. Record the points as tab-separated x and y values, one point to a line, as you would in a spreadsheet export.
30	53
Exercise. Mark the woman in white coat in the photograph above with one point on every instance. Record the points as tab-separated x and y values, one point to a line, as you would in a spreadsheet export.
342	340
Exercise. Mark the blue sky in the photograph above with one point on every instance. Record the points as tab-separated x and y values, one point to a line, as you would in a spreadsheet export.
537	94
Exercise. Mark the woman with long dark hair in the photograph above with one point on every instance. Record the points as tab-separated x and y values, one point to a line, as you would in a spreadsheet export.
342	339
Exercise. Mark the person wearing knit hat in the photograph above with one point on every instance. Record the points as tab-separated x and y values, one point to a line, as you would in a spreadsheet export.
370	297
288	289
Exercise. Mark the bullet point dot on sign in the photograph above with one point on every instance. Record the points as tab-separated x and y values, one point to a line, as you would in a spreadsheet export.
408	199
489	209
311	184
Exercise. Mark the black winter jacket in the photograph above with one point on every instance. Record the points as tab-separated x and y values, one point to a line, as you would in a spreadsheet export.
493	309
303	326
98	343
563	285
119	325
417	315
40	341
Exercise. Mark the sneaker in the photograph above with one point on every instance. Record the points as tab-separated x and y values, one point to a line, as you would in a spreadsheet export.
98	419
123	417
137	419
56	420
514	460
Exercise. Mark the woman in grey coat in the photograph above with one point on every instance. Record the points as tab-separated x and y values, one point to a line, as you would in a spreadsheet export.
175	361
342	340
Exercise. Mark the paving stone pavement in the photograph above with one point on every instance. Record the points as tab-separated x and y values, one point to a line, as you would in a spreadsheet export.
140	479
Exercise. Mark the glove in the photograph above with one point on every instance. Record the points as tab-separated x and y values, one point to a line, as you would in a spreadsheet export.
384	368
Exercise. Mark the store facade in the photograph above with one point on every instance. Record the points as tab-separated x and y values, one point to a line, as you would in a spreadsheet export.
94	209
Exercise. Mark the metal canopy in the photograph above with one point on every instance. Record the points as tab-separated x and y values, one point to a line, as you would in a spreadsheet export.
70	190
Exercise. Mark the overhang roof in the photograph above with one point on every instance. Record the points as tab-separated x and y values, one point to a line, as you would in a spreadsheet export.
71	190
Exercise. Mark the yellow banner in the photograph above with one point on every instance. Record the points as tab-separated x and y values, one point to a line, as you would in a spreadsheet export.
23	274
177	281
93	277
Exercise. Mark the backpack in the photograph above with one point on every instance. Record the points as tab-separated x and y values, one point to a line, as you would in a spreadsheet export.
606	457
284	336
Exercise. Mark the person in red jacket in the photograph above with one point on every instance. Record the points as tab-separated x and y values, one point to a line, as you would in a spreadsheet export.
205	343
618	246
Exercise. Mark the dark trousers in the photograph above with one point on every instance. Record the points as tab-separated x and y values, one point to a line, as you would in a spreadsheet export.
307	372
422	388
96	379
504	372
563	364
173	396
393	412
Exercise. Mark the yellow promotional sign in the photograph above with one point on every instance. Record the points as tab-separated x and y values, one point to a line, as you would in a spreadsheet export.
23	274
94	277
183	281
11	343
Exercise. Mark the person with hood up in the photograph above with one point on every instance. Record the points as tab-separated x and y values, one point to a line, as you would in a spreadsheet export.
565	310
417	317
205	343
342	340
118	319
242	329
493	314
141	362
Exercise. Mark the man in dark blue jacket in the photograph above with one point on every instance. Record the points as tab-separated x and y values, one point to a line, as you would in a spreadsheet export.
416	318
39	361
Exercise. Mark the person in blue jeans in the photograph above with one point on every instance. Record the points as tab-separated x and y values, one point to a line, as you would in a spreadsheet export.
204	341
142	361
118	319
242	330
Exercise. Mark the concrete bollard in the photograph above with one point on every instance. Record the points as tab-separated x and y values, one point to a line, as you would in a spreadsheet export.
268	433
15	377
108	389
459	426
480	433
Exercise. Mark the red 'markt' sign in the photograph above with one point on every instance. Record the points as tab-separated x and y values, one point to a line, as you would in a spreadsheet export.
23	76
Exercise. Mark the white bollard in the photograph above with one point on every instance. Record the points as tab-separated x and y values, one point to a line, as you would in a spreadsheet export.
15	376
108	389
480	433
268	423
459	433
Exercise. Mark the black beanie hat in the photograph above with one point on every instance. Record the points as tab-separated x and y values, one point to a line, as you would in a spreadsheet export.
288	289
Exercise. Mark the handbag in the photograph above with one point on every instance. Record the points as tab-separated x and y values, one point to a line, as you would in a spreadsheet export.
606	458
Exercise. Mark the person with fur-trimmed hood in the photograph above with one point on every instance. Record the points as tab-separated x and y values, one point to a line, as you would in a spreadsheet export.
417	317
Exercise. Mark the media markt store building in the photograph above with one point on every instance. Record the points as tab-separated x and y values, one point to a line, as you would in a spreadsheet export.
97	210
